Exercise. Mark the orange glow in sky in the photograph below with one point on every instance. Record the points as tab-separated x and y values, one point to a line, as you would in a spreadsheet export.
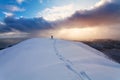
78	33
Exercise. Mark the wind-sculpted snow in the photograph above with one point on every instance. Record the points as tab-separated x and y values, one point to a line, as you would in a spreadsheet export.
52	59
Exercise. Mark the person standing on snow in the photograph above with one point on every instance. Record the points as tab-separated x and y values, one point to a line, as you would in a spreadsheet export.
51	36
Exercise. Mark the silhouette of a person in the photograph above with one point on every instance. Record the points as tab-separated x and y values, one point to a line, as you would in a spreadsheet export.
51	36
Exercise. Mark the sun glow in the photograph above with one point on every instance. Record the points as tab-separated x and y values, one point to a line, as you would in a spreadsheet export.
78	33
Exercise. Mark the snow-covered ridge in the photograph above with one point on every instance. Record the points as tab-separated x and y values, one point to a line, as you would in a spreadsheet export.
52	59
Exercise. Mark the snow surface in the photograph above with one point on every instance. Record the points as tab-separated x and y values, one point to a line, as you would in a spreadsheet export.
52	59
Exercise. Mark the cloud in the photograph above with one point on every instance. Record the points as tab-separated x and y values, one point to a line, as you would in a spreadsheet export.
14	34
4	28
102	21
9	32
11	8
41	1
14	8
8	14
57	12
101	3
27	25
107	13
20	1
2	23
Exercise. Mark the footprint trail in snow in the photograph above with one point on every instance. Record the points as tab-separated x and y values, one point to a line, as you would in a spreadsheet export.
81	76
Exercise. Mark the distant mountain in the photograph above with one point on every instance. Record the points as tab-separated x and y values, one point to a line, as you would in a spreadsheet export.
8	42
111	48
53	59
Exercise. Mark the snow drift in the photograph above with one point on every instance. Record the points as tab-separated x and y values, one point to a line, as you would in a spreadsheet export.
52	59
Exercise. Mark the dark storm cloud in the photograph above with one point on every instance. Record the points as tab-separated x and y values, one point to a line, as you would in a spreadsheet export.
25	25
105	14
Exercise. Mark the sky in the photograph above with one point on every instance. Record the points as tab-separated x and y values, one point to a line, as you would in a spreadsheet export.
66	19
38	8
